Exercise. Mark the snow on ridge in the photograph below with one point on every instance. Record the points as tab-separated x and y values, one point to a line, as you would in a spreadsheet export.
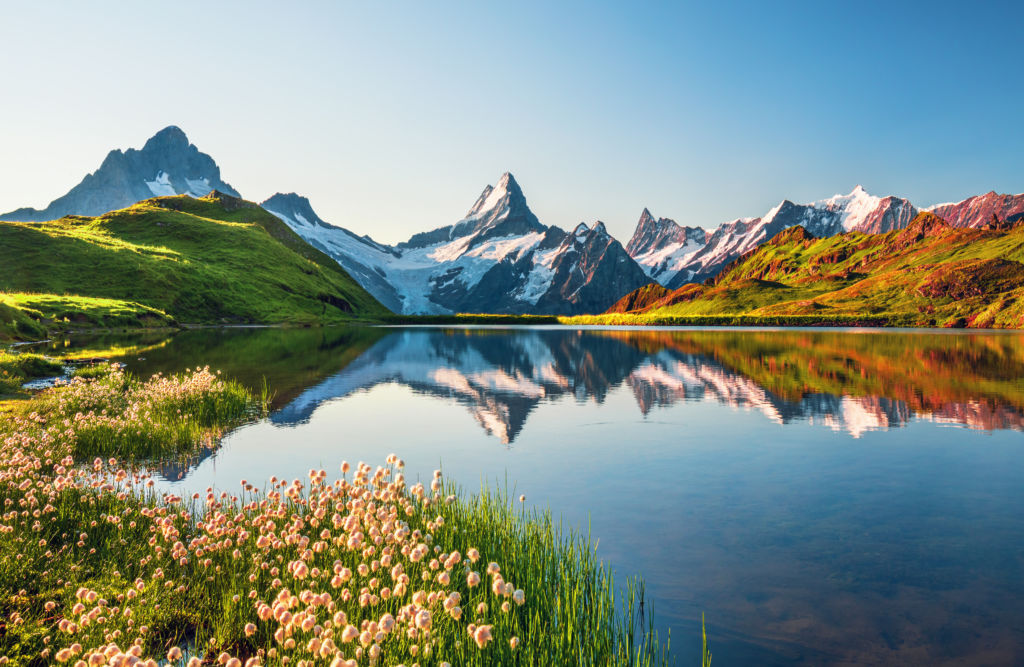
667	260
538	282
493	199
770	215
853	208
161	185
198	187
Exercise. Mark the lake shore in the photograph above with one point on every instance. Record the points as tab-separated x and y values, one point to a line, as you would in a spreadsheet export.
348	570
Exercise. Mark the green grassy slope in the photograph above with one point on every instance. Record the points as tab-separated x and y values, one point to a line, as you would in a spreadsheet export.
928	274
212	260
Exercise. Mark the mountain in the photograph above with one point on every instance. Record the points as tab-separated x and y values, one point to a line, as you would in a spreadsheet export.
980	210
929	273
213	260
698	260
662	247
498	258
167	165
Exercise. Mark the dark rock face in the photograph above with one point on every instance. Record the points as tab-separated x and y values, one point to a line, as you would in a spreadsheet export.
167	164
591	272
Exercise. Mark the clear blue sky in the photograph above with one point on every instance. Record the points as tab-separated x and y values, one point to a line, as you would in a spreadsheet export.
392	117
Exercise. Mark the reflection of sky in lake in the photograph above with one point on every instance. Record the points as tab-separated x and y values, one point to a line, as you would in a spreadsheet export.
816	526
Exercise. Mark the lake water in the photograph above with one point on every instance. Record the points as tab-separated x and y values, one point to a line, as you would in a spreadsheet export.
824	497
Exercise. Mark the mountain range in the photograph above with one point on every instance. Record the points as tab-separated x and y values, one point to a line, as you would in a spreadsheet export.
499	257
929	273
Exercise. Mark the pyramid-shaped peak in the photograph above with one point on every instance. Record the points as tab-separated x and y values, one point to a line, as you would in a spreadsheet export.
170	138
600	229
504	194
508	183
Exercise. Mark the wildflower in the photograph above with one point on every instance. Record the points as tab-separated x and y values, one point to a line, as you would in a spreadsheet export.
482	635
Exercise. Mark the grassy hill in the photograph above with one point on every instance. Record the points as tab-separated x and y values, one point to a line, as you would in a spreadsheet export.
928	274
214	260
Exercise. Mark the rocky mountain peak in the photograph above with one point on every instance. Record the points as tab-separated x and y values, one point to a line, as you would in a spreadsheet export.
171	138
653	233
295	207
508	183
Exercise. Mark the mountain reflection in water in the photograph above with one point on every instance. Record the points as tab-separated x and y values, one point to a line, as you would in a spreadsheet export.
845	381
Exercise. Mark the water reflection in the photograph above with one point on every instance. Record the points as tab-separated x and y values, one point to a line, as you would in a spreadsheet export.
847	382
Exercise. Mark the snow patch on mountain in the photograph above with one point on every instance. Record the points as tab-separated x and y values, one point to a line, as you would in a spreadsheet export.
539	279
198	187
161	185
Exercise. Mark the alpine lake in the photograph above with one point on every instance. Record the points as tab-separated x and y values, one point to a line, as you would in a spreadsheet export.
823	497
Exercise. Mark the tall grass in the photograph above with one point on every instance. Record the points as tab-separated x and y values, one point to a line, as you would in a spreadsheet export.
115	414
16	369
357	570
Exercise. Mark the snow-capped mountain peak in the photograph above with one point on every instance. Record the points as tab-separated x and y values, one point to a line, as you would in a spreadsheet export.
661	246
499	258
496	199
770	215
853	209
581	229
